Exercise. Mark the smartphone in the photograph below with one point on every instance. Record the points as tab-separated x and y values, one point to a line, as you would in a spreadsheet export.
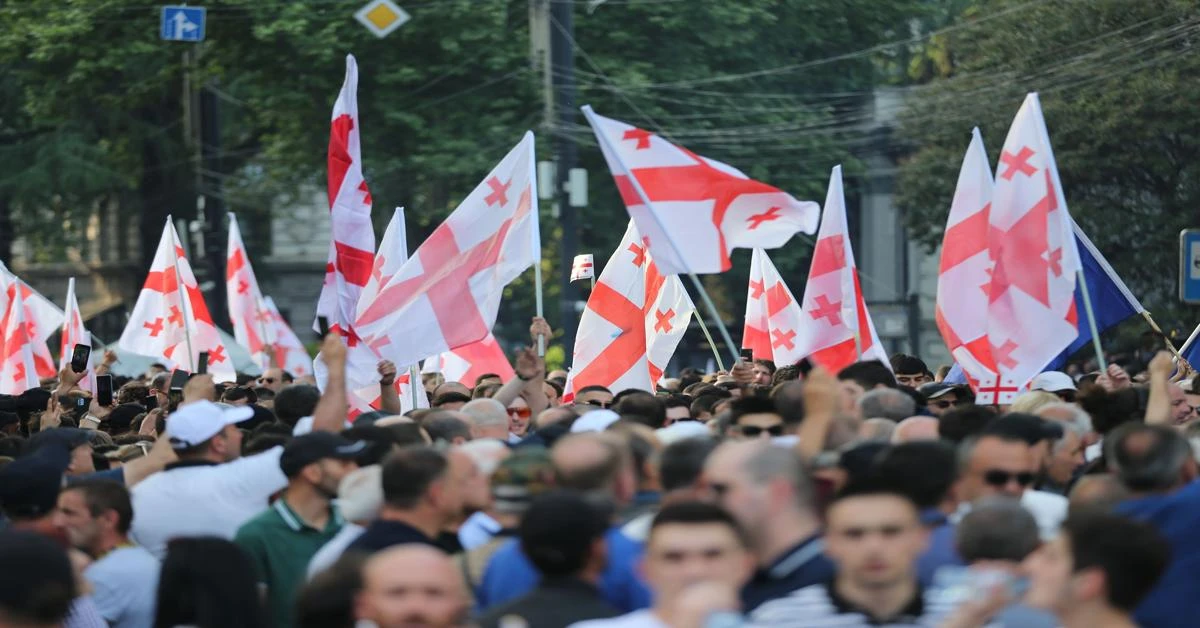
202	363
747	355
80	357
179	378
323	326
72	403
150	402
805	366
104	391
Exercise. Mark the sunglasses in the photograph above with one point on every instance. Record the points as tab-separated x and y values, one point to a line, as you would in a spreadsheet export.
599	404
1002	478
524	413
266	380
754	430
943	404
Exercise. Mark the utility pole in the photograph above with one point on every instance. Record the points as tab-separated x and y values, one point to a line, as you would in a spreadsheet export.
213	204
562	66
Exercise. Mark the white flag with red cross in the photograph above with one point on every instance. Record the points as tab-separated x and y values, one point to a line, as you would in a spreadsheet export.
583	267
468	362
74	333
634	320
448	294
43	318
289	353
17	370
352	248
1031	309
699	208
772	314
836	329
964	272
248	313
170	316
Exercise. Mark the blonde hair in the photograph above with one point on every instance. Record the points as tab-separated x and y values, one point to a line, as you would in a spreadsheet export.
1033	401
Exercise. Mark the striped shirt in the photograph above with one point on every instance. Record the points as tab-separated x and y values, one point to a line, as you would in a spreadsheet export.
819	606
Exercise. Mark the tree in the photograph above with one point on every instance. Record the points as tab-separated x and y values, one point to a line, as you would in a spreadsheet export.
1117	84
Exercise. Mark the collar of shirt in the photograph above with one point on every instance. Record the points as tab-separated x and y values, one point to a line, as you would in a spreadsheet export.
794	559
909	614
187	464
297	524
932	517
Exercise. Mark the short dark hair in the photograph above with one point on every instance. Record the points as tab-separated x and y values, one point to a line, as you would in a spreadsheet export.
38	585
479	380
441	425
750	405
868	374
997	528
787	373
449	397
961	422
642	404
676	400
296	402
923	470
103	495
408	473
696	513
1155	464
1132	554
682	462
767	364
789	401
263	393
907	364
594	388
704	403
557	533
558	388
869	485
239	393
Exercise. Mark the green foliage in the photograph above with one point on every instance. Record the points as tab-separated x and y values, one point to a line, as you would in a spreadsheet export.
1117	85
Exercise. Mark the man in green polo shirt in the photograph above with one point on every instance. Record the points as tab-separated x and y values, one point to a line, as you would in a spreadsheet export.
282	539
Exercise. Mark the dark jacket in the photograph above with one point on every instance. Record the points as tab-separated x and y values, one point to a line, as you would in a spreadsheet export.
553	604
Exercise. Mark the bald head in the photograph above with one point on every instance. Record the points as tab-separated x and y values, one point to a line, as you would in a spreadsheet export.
488	418
411	585
594	462
916	428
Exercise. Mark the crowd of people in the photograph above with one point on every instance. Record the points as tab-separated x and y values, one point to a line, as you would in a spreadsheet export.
791	496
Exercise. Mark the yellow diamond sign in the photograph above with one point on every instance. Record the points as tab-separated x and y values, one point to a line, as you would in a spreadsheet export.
382	17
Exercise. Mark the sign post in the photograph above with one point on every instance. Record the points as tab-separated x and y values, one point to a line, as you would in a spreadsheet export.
1189	265
182	23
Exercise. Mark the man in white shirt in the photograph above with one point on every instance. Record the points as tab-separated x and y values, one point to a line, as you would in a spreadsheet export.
212	490
96	515
691	544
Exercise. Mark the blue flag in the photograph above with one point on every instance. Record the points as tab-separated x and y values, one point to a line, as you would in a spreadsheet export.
1191	349
1112	302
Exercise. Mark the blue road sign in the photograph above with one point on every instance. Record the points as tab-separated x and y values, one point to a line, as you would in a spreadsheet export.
181	23
1189	265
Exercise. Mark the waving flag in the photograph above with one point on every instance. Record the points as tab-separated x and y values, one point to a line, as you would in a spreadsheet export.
835	325
1112	302
17	370
43	318
248	313
964	272
73	333
466	363
582	267
772	314
706	208
634	320
352	249
1031	311
448	294
289	353
1191	348
171	318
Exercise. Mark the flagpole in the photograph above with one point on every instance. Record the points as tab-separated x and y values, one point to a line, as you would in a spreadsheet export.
1170	345
1091	316
182	292
637	186
536	240
414	376
708	336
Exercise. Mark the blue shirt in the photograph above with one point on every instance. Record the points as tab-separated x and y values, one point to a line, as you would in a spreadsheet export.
802	566
510	575
942	550
1176	597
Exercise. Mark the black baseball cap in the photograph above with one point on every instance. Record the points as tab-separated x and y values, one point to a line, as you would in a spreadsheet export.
30	484
309	448
66	438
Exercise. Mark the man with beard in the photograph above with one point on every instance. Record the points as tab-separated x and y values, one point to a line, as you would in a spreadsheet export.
282	540
411	585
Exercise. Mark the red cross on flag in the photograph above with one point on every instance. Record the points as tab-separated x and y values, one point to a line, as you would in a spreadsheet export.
248	312
706	208
448	294
43	318
772	314
74	333
835	324
465	364
170	315
964	272
634	320
1031	308
583	267
290	353
352	248
17	370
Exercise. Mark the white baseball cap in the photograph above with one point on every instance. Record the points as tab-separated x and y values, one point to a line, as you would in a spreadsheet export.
199	421
595	421
1052	381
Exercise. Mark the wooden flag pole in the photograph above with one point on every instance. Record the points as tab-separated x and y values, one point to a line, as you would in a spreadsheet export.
708	336
1091	316
1170	345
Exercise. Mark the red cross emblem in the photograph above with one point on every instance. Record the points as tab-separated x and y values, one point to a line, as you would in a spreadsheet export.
641	136
217	355
997	389
781	338
19	376
758	219
176	317
663	322
827	310
352	337
1054	261
243	287
756	289
1003	354
1017	163
499	193
236	262
1020	252
379	343
155	328
639	254
377	269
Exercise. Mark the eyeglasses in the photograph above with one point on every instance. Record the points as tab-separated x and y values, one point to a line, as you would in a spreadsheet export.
754	430
999	478
266	380
524	413
598	403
